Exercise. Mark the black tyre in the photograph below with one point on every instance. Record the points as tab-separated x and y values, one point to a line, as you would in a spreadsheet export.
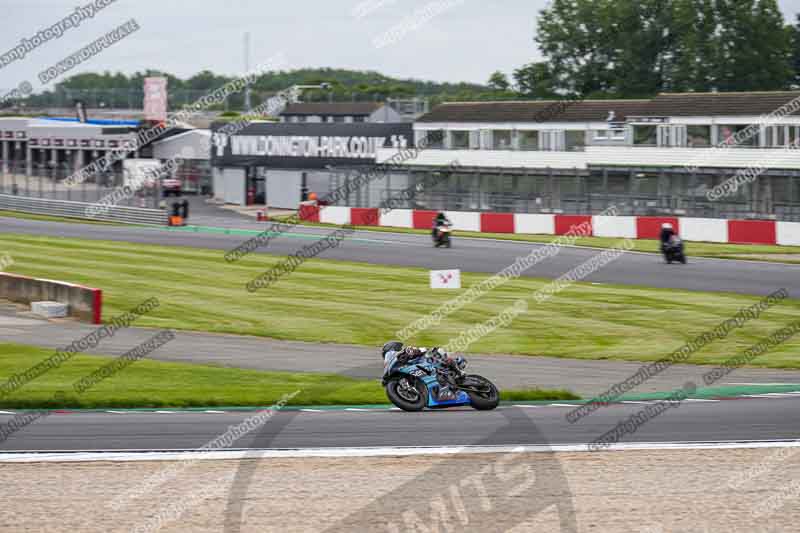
407	393
683	259
484	395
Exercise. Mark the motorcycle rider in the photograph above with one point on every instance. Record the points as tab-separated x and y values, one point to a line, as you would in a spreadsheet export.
439	221
409	353
667	232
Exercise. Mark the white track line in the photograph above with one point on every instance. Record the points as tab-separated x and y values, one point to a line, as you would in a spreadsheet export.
7	413
215	412
77	457
699	400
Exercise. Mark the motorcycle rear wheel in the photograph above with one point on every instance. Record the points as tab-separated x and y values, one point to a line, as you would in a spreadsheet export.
482	401
407	393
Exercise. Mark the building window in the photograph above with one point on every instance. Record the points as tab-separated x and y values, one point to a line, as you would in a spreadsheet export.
738	135
337	119
459	140
776	136
575	140
698	136
501	139
645	135
359	119
434	138
529	140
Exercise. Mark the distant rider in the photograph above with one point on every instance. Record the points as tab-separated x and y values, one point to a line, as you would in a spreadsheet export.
667	232
439	221
409	353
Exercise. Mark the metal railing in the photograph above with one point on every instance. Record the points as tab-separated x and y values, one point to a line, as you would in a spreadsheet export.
44	206
592	204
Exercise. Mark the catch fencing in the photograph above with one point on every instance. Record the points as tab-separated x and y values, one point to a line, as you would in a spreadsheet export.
63	208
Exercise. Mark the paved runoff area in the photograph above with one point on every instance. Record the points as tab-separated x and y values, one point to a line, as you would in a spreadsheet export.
645	491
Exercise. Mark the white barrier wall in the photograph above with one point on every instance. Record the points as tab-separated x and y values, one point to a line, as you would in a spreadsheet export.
789	233
605	226
334	214
704	229
537	224
464	220
398	218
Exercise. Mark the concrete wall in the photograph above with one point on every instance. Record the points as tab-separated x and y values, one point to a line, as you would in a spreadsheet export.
84	303
767	232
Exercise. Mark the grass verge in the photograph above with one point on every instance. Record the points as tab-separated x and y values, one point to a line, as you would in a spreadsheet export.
751	252
149	383
356	303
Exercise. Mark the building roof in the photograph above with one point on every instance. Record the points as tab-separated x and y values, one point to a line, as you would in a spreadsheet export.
720	104
536	111
663	105
332	108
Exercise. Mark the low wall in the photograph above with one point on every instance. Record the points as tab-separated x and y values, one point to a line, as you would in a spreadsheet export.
768	232
84	303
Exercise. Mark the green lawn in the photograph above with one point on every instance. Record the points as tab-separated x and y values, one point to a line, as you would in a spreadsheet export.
149	383
356	303
757	252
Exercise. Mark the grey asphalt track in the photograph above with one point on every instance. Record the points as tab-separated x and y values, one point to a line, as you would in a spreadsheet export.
701	421
470	255
732	420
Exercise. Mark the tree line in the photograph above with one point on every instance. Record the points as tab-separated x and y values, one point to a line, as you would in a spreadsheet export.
638	48
589	48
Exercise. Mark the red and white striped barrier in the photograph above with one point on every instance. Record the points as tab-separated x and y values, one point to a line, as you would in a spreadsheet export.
691	229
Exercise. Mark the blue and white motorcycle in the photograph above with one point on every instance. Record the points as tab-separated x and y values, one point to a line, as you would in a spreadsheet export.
428	381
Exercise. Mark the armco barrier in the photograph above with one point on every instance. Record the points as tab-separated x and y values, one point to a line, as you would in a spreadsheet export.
64	208
691	229
84	303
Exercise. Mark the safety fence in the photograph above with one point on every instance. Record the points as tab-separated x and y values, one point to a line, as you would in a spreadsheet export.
63	208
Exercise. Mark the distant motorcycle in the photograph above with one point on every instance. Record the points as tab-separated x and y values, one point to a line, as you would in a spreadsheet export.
442	235
673	250
416	384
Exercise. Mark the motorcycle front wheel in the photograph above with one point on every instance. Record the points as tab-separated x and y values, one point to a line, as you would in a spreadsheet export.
407	393
483	395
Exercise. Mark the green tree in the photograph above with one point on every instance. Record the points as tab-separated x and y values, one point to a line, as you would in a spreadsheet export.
576	37
755	46
535	80
498	81
636	48
694	48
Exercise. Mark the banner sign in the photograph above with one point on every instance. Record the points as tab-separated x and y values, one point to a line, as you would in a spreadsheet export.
155	99
445	279
307	145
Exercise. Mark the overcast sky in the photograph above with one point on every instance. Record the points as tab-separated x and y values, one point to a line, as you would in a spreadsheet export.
466	41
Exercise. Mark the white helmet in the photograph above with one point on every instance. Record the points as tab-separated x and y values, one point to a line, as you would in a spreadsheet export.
666	225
